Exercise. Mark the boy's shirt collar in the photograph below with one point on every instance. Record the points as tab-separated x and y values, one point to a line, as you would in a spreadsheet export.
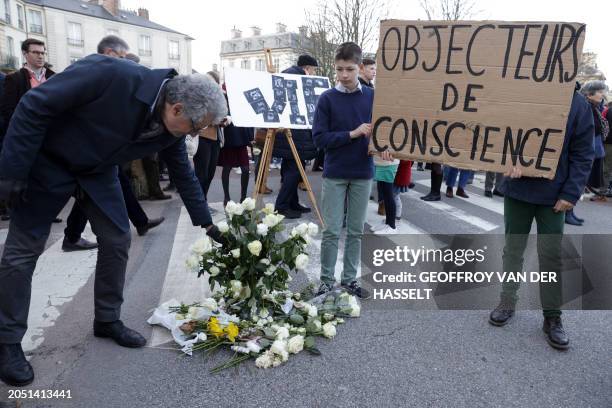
343	89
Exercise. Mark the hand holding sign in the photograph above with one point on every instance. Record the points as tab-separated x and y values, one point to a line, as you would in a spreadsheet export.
365	129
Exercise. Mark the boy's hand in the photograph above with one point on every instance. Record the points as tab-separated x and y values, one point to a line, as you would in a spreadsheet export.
386	155
514	173
365	129
562	206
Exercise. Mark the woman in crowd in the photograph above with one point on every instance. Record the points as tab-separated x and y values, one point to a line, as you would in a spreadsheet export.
594	91
451	179
384	175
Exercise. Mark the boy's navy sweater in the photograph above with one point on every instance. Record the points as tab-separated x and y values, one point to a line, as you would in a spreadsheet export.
337	114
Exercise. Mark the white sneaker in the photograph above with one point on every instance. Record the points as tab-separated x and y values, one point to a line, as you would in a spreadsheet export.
238	170
377	227
387	230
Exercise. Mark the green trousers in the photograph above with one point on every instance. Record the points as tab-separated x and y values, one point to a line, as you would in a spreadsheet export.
518	217
356	192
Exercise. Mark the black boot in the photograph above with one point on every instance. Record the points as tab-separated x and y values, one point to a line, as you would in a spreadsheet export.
15	370
501	315
557	337
571	219
122	335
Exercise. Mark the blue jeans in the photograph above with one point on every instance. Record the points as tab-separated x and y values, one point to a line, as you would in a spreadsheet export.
451	178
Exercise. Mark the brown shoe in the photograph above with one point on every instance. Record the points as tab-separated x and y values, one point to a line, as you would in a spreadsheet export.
599	198
461	193
449	192
267	190
381	208
302	186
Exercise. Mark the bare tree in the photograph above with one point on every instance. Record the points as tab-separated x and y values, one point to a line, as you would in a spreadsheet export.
452	10
331	23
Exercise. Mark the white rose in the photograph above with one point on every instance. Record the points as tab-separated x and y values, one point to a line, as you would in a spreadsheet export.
317	324
202	337
282	333
271	220
248	204
236	286
235	252
302	229
238	209
301	262
214	271
355	310
268	209
271	269
279	347
312	311
223	227
265	261
295	344
264	313
201	246
230	207
210	304
313	229
253	346
262	229
254	247
193	262
329	330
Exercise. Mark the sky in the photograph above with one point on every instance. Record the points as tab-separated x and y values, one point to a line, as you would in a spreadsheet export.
210	22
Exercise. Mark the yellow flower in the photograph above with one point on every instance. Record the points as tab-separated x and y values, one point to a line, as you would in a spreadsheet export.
232	331
214	328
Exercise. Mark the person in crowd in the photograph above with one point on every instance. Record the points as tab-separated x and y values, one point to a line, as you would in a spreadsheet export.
342	127
437	176
384	174
67	137
367	73
546	201
451	179
594	92
287	201
233	154
33	73
493	179
114	47
608	151
209	146
401	184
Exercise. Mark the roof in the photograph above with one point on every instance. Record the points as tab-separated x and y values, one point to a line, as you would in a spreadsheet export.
97	11
273	41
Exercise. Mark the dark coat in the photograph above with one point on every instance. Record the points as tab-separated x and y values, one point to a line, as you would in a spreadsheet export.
237	136
574	164
301	137
77	127
15	86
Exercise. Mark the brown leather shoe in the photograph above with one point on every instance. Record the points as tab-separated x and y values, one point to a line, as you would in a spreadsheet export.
461	193
267	190
381	208
449	192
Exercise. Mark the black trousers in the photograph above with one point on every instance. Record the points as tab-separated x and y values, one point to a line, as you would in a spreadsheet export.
288	194
205	162
77	219
387	197
21	253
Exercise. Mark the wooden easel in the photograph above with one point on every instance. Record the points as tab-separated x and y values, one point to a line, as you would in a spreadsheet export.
266	154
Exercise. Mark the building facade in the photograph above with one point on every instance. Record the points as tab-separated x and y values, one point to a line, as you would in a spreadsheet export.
248	52
72	29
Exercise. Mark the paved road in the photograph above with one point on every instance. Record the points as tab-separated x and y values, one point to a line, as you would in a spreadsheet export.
385	358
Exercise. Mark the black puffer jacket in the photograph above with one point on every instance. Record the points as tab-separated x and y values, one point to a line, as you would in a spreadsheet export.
302	137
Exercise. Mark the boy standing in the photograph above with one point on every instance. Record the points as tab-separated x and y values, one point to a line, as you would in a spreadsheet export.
342	127
367	72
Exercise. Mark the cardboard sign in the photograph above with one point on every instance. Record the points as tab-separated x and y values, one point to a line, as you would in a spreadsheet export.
264	100
481	95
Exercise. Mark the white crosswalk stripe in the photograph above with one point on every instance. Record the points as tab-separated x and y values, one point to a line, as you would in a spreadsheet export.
492	204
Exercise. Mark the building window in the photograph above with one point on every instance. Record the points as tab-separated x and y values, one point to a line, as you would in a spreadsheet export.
277	64
35	18
74	59
260	65
247	45
9	60
112	31
144	46
5	11
20	17
173	50
245	64
75	35
10	45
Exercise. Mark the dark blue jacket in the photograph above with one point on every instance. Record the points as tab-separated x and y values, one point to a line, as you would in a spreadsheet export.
77	127
301	137
237	136
574	164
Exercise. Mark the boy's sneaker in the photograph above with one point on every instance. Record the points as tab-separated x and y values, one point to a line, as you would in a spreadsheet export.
377	227
356	290
323	289
387	230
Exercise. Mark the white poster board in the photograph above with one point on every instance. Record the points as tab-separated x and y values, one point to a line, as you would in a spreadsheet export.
263	100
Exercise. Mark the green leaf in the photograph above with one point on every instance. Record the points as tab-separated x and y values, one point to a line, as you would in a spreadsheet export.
296	319
309	342
313	350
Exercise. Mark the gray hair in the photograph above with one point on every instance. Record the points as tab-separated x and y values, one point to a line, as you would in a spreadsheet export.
199	95
114	43
592	87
